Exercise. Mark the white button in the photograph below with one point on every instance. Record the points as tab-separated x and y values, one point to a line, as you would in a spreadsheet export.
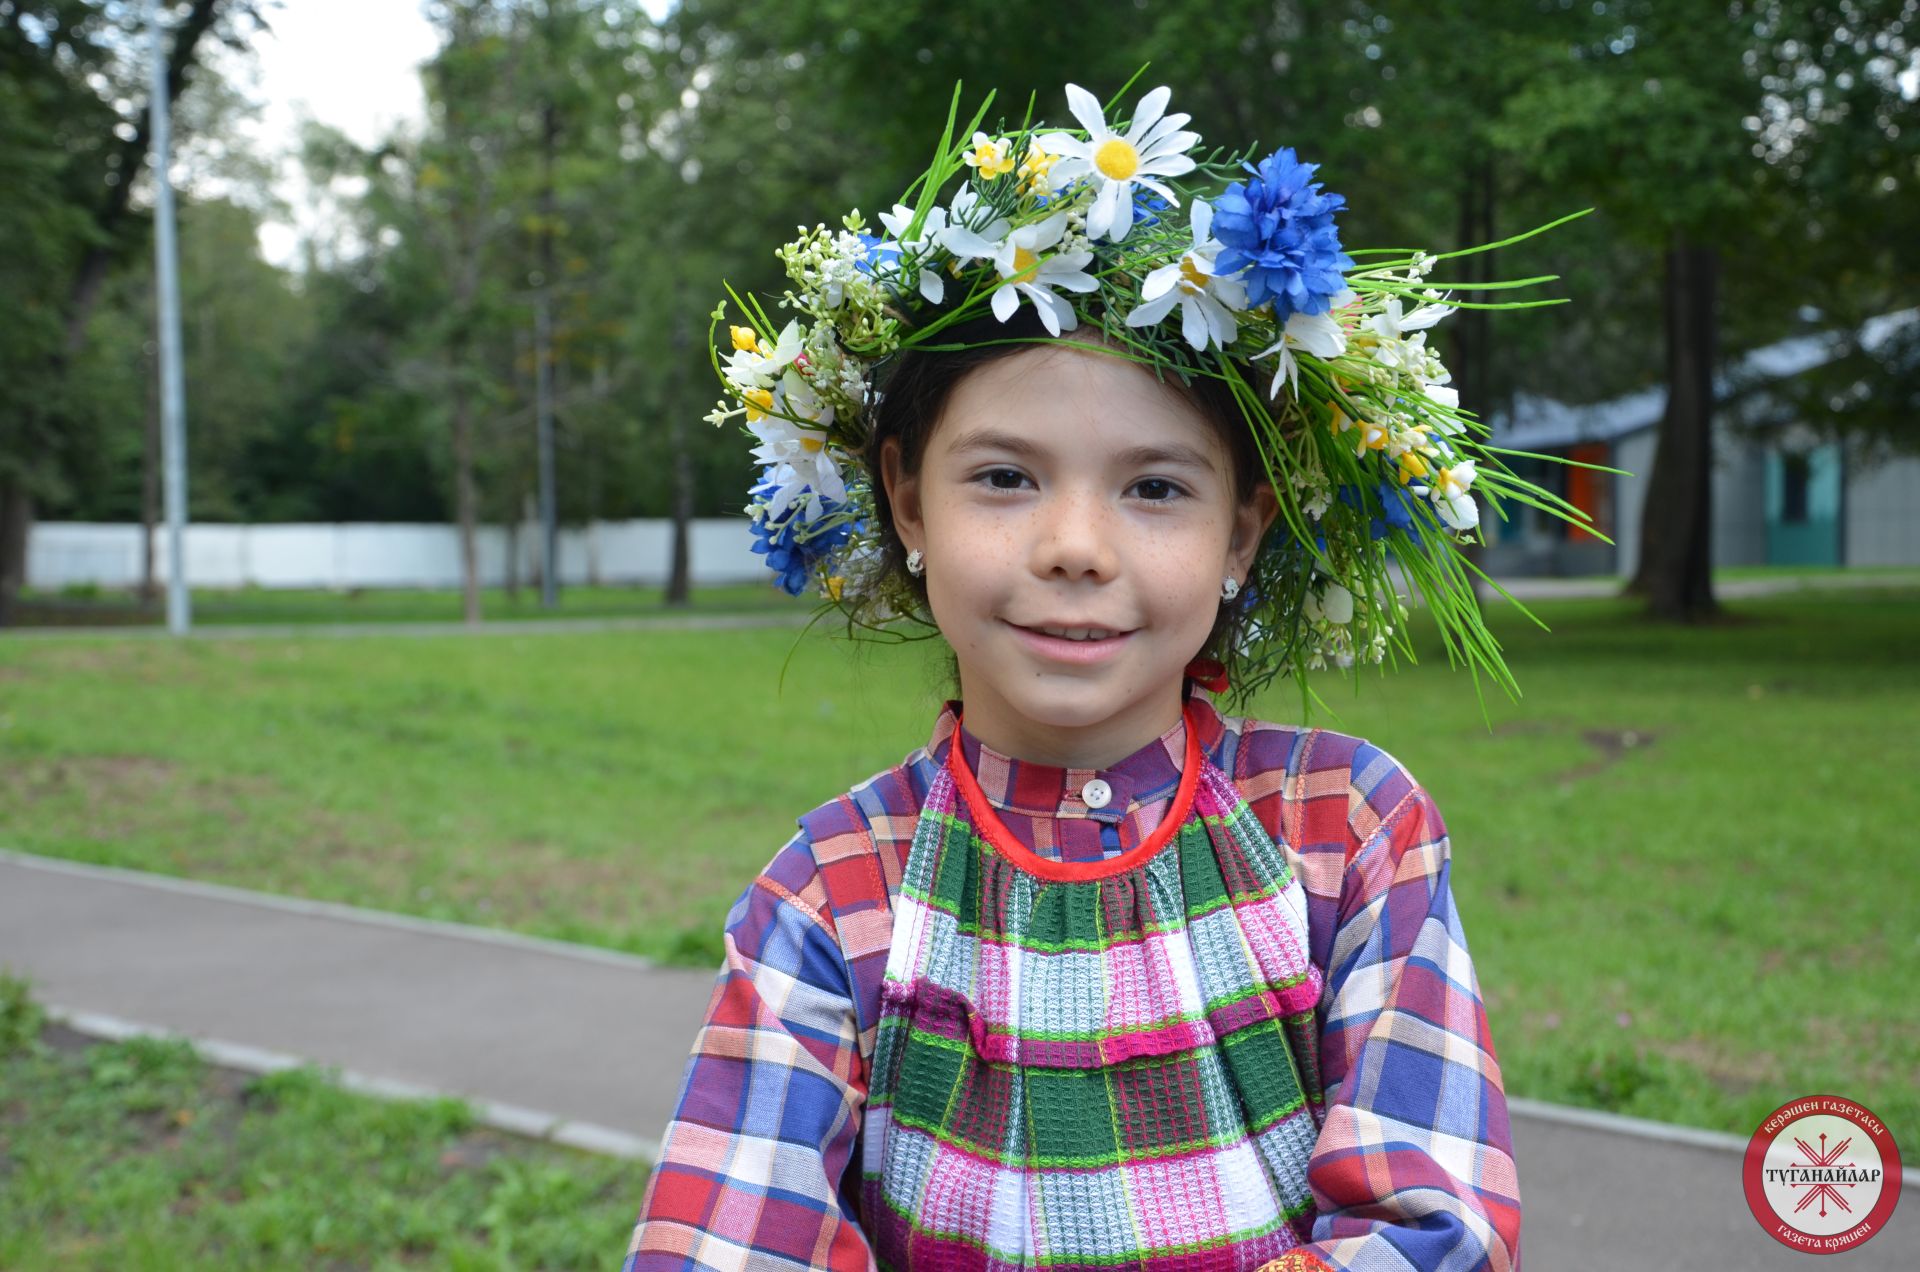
1096	793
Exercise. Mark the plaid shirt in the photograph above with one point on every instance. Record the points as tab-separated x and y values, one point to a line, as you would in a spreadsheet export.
1414	1164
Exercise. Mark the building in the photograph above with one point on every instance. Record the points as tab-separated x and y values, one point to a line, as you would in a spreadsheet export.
1788	501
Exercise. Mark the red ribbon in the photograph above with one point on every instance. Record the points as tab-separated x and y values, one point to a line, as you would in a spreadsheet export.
1209	673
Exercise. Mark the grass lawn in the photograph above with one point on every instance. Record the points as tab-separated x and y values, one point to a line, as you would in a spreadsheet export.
1683	859
139	1154
90	607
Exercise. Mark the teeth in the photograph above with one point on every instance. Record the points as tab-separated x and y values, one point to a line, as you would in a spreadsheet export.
1078	633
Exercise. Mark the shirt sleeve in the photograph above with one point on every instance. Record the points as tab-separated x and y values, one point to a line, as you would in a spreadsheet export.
1414	1166
757	1154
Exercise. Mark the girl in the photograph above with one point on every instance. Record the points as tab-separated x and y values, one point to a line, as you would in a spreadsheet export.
1098	977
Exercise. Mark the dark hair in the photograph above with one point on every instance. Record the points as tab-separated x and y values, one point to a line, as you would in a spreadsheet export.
914	390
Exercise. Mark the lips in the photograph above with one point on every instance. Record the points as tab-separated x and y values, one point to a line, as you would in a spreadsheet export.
1071	643
1068	632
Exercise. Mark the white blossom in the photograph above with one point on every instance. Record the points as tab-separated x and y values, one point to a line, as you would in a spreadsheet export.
1207	300
1153	146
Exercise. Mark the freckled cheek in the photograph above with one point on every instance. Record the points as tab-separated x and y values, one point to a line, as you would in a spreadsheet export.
1180	574
968	537
971	560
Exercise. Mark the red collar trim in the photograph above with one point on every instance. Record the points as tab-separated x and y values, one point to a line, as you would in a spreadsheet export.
987	821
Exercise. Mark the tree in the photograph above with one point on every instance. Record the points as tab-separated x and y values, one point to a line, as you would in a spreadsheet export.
73	141
1664	120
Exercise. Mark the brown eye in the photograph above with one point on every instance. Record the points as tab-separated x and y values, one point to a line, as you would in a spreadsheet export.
1004	478
1156	489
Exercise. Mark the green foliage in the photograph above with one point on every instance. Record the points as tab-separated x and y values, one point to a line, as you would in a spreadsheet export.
72	137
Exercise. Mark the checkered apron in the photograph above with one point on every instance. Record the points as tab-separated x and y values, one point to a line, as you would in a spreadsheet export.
1108	1065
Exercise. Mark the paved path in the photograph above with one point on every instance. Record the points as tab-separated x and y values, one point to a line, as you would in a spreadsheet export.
589	1045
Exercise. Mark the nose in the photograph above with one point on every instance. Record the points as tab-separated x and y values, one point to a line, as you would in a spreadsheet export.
1073	537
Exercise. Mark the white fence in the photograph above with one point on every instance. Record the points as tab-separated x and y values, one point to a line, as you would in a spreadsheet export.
63	553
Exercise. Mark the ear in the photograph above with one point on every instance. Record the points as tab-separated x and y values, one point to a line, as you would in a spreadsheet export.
903	495
1250	522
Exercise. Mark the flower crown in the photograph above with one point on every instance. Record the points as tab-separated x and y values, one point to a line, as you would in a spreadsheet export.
1209	266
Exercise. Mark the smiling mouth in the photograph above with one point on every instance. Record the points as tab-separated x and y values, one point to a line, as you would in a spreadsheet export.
1062	632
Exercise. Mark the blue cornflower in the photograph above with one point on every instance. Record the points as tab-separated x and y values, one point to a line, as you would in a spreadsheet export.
1279	228
793	545
1397	513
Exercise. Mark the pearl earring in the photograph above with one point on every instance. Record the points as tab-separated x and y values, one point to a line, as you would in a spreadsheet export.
1229	589
916	563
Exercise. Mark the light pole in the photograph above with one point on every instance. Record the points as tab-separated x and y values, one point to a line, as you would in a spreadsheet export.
173	397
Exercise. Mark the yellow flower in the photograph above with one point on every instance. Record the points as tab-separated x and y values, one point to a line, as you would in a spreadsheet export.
992	157
1411	466
1453	482
759	402
835	583
744	339
1034	169
1372	436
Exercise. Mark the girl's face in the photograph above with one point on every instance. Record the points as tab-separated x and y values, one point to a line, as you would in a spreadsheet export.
1077	519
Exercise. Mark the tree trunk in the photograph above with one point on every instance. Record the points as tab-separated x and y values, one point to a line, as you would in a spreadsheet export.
680	576
466	292
596	482
513	560
16	524
680	573
111	218
1473	328
543	369
465	496
1675	573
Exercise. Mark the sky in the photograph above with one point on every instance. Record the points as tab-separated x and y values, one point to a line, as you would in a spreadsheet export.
353	64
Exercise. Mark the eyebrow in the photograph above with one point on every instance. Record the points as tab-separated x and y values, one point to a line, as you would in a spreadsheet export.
1178	454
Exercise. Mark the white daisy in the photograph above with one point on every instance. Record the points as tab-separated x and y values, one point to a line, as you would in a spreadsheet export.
1153	146
796	448
1207	301
1027	273
1318	334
